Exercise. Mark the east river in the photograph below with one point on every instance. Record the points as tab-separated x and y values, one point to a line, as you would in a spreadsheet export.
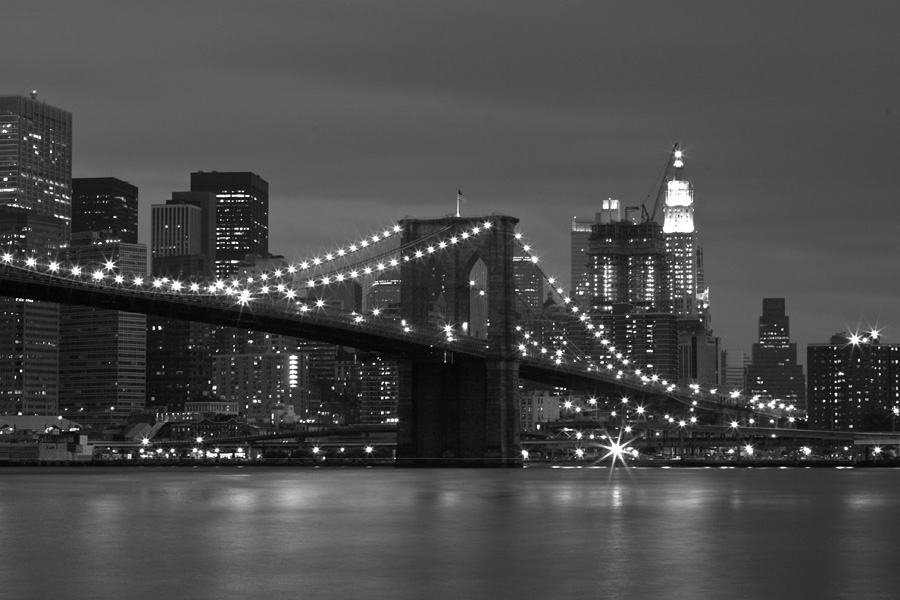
384	533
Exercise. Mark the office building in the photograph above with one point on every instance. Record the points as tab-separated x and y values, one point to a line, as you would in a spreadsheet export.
29	330
36	158
853	383
102	370
773	372
242	216
627	263
735	363
179	361
105	204
378	387
35	217
579	267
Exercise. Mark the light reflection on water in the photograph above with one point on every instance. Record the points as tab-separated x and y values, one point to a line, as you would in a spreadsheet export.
385	533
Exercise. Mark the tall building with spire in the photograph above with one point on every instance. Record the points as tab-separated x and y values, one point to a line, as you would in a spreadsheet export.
681	242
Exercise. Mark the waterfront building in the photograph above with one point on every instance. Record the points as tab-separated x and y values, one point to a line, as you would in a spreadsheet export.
773	372
105	204
378	388
853	383
242	216
539	408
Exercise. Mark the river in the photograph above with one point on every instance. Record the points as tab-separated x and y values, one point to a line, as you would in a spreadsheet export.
384	533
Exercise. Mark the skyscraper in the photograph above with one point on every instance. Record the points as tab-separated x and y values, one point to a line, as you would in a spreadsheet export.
773	371
626	263
105	204
102	355
853	383
35	217
681	241
179	363
36	158
29	331
580	270
242	216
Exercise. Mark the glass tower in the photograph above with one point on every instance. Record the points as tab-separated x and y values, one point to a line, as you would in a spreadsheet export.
35	217
36	158
242	216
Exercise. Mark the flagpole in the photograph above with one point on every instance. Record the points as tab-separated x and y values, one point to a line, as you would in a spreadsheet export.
458	194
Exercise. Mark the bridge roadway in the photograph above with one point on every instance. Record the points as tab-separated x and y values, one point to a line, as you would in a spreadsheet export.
297	319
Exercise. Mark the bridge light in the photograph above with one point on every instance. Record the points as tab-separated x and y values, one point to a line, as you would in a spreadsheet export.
97	275
76	271
120	279
524	454
734	424
176	286
31	261
7	257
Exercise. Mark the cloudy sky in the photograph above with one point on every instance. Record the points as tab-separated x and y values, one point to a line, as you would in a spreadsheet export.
361	113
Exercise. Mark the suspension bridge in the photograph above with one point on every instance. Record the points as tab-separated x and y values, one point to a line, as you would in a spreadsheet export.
459	337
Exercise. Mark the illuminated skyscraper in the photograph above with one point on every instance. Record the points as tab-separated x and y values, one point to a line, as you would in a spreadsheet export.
35	217
681	242
36	158
626	263
242	216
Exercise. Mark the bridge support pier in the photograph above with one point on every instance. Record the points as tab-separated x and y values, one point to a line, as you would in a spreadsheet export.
459	414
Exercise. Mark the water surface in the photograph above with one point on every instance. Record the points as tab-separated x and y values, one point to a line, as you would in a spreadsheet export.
209	533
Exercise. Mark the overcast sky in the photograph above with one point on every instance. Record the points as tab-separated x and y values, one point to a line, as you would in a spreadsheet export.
358	114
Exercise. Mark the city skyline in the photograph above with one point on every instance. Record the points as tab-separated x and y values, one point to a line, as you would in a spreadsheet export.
358	115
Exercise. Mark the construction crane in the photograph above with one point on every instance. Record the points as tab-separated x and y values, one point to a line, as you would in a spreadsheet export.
673	158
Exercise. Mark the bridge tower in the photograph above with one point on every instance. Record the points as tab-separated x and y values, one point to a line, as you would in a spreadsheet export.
456	409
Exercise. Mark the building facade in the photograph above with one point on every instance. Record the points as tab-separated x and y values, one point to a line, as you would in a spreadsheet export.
628	265
242	216
102	366
773	371
681	242
179	360
853	383
105	204
36	158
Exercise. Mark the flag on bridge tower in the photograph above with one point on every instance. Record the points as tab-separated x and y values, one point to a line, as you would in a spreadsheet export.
459	198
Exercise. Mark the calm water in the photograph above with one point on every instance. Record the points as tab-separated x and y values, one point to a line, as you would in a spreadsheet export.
368	534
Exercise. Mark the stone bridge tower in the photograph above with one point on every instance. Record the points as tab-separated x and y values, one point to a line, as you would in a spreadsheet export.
456	409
